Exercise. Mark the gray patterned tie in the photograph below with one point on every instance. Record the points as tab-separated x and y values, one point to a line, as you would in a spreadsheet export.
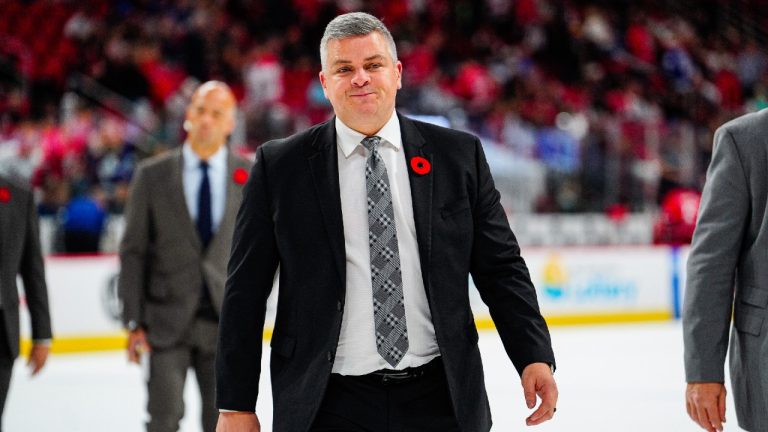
386	280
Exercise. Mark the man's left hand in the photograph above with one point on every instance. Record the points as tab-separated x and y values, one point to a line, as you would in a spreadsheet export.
538	381
38	357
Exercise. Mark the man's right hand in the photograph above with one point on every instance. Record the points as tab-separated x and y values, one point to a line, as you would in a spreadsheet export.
705	403
238	422
137	345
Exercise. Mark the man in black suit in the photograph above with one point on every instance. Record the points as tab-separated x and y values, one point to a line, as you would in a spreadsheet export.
376	221
20	255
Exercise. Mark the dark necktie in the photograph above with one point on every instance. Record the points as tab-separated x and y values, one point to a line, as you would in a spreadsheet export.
386	279
204	224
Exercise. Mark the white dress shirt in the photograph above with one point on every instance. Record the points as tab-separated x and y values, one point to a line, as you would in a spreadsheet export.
356	353
192	175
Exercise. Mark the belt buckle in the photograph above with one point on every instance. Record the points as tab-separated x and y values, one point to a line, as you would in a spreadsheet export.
401	376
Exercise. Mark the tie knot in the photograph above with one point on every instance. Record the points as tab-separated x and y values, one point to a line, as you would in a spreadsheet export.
204	165
371	142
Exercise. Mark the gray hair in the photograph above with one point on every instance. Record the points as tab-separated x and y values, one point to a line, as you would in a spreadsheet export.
354	24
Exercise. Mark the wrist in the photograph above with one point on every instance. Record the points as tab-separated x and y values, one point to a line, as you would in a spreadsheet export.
133	326
42	342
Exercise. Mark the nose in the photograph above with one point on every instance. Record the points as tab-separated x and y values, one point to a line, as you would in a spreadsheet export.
205	119
361	78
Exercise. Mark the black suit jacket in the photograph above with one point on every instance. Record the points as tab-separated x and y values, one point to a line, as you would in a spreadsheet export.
291	217
20	255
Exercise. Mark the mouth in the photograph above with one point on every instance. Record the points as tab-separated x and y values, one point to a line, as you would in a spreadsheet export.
361	94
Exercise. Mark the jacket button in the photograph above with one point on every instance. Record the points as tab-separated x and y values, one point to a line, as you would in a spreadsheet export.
330	356
339	305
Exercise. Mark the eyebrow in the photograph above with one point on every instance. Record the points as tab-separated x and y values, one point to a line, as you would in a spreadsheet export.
367	59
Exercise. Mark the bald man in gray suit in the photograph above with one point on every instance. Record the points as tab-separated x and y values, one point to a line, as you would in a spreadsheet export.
179	223
728	276
20	255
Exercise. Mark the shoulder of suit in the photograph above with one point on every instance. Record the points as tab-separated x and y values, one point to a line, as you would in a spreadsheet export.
748	128
20	192
239	161
299	138
15	186
160	161
446	140
433	129
298	142
748	138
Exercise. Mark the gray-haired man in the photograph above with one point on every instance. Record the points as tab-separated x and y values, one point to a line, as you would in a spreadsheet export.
376	222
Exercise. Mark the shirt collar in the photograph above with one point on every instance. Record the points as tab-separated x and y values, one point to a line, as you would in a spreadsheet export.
349	139
217	160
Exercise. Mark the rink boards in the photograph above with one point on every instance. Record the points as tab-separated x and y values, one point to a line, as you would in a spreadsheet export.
575	285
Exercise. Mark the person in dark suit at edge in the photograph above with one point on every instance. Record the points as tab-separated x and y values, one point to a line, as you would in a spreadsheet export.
179	222
375	221
20	254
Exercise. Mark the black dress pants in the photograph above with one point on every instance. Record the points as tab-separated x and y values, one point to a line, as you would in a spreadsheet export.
372	403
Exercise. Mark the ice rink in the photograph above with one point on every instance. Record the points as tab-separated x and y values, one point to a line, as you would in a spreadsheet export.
625	378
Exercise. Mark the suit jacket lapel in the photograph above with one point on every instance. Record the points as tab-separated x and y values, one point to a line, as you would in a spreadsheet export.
231	203
421	191
324	165
233	190
178	202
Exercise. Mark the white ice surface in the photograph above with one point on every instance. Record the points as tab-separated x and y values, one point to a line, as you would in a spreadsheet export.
611	378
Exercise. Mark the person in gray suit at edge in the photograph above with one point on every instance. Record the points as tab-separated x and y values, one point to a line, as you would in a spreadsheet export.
728	276
20	255
179	222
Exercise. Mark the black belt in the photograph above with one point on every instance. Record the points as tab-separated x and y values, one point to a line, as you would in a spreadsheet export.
391	376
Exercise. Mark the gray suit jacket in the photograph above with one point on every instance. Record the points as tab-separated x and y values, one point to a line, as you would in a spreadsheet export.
163	264
20	255
728	270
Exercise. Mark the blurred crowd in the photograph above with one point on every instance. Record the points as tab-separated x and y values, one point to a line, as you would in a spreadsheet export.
583	106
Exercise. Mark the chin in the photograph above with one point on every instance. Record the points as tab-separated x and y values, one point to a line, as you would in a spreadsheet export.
367	109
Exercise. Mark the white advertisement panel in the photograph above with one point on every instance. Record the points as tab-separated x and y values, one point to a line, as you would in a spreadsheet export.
82	292
620	283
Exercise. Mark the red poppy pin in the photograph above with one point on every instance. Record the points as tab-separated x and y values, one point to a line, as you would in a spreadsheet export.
420	165
240	176
5	195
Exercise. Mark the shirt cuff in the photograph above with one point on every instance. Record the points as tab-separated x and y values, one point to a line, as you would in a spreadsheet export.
46	342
